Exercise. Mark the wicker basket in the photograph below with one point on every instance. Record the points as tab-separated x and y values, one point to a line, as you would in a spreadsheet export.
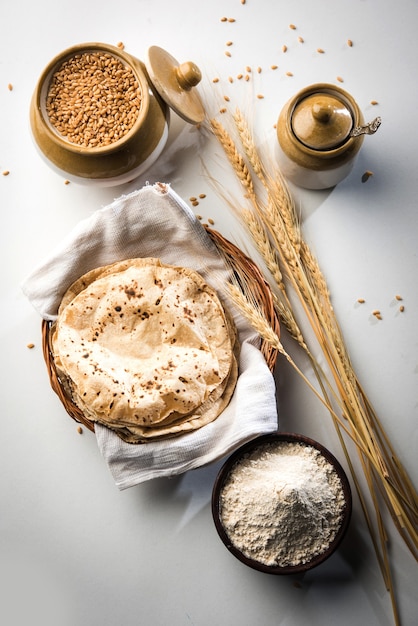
241	264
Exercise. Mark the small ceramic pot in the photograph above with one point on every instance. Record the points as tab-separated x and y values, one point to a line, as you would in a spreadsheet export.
163	84
320	131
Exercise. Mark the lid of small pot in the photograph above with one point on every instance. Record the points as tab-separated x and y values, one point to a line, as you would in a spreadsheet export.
322	121
176	84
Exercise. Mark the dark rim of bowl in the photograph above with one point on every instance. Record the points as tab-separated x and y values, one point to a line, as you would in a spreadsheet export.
220	480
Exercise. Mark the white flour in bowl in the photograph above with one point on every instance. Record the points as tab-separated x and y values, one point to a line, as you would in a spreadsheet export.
282	504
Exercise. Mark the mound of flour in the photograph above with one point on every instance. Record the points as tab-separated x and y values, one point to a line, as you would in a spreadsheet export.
282	504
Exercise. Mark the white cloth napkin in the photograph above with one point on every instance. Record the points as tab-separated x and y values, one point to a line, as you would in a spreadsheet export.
155	222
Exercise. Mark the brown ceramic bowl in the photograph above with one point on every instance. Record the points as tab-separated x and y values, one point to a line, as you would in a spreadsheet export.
252	447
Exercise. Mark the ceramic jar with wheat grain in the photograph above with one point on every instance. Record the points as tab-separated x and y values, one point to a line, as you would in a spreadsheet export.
100	115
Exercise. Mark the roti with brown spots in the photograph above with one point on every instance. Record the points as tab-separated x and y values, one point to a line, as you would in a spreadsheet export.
146	349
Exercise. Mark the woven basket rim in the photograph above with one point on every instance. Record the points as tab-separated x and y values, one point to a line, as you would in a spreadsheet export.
241	263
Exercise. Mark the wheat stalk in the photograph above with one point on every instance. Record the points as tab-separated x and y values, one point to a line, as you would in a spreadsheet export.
250	310
279	198
248	145
263	245
234	156
288	320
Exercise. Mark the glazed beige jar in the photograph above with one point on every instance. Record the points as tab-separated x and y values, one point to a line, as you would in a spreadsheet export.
320	131
163	84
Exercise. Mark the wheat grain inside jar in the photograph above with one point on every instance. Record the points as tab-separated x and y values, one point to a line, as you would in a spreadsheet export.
99	115
282	503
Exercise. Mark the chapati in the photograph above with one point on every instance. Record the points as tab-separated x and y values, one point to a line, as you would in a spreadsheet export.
145	348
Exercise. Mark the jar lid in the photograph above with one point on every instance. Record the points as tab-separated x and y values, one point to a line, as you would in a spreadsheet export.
175	84
322	121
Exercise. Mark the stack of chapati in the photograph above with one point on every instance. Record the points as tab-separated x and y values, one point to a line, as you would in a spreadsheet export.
146	349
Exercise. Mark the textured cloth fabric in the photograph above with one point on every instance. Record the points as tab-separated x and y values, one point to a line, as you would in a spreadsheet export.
155	222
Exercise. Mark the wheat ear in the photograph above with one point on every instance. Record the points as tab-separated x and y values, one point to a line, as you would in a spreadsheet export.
233	156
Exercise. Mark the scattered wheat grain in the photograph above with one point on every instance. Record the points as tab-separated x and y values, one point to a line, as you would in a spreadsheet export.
367	174
202	195
231	19
80	430
259	70
192	198
292	26
349	43
273	67
231	80
30	346
361	300
227	98
121	45
239	76
340	79
260	96
5	172
320	50
402	308
301	40
10	87
247	77
284	48
227	53
66	181
398	297
224	19
215	80
222	110
289	73
374	102
211	221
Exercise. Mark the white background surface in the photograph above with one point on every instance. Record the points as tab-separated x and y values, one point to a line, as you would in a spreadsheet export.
74	551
